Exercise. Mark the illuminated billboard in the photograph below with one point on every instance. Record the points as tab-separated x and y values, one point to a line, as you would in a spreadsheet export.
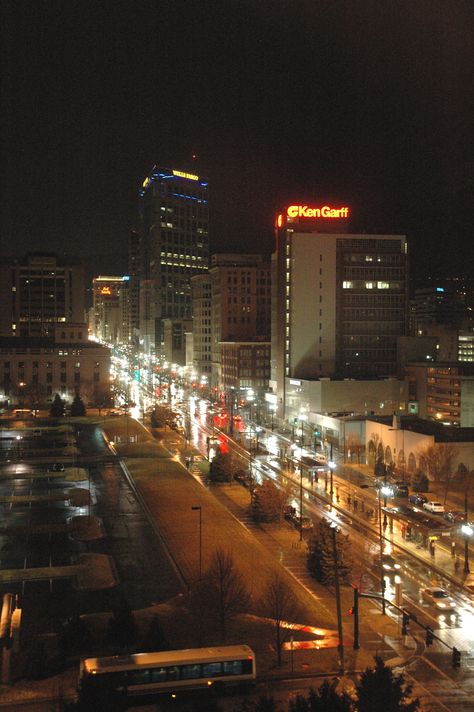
325	211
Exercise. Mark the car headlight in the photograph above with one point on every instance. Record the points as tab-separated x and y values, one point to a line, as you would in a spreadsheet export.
397	566
387	567
441	605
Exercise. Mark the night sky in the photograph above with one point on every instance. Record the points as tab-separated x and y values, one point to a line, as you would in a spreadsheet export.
364	102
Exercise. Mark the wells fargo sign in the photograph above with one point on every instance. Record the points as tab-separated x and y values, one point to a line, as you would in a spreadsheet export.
304	211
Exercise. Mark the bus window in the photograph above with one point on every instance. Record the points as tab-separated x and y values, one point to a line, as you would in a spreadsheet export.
232	667
172	673
138	677
159	674
211	669
190	672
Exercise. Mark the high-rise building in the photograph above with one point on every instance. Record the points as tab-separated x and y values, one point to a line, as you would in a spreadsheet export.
134	271
241	312
201	309
111	309
174	246
439	306
339	299
38	293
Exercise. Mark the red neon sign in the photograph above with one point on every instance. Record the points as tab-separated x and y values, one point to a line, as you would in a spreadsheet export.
326	211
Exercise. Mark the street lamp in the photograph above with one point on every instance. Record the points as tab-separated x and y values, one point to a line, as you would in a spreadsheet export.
195	509
332	467
302	418
468	531
383	491
18	440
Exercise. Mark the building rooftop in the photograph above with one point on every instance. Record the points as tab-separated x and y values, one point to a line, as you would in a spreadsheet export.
441	433
33	343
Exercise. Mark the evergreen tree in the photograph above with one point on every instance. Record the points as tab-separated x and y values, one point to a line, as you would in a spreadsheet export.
379	689
77	406
268	502
320	561
220	469
57	407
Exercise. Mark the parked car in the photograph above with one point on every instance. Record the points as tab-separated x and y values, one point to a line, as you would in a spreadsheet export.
439	598
434	507
400	489
292	515
57	467
454	517
418	499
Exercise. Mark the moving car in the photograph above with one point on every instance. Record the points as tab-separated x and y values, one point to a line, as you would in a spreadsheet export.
57	467
434	507
387	562
439	598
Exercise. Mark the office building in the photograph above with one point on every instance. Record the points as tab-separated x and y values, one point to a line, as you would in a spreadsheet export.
201	325
241	312
439	306
111	309
174	246
38	293
339	300
134	271
34	368
442	391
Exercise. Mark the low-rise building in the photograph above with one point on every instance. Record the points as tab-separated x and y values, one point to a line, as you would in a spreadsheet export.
34	369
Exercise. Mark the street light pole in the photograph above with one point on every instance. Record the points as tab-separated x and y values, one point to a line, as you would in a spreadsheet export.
195	509
301	483
382	580
340	646
467	531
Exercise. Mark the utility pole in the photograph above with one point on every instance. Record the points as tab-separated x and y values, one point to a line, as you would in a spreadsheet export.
340	647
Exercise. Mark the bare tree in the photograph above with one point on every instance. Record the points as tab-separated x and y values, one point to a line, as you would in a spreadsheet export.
225	592
377	452
439	460
279	603
354	446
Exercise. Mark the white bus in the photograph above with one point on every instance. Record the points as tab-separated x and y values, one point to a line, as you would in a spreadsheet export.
172	671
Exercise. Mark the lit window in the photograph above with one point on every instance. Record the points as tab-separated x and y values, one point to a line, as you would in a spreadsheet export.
347	285
383	285
369	285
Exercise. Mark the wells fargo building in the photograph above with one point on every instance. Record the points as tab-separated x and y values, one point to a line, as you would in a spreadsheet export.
339	300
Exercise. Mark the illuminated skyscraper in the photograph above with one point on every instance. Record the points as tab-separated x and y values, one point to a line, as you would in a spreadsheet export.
174	234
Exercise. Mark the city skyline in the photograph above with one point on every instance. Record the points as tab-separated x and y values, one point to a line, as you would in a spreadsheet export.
280	103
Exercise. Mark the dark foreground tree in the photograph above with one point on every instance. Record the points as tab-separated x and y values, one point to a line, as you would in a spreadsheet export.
77	406
380	689
122	629
57	407
95	694
324	699
279	603
320	559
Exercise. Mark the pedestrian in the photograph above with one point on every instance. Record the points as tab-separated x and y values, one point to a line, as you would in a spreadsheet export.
453	548
456	563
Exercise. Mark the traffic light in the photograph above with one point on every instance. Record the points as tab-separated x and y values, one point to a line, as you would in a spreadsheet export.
317	432
350	612
456	663
405	623
429	636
